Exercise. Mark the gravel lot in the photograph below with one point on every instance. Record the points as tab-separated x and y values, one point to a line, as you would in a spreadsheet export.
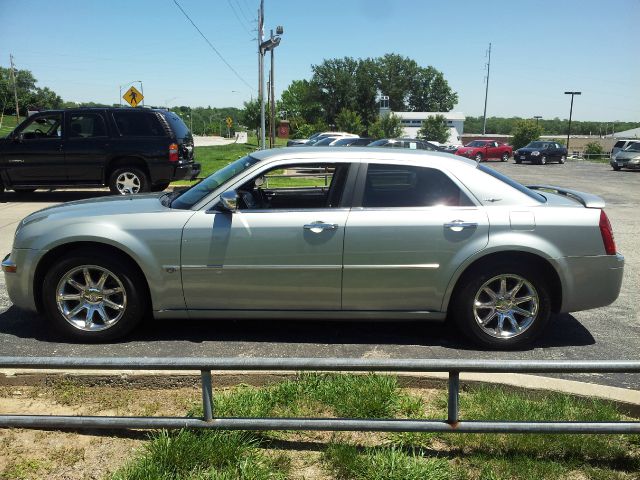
612	332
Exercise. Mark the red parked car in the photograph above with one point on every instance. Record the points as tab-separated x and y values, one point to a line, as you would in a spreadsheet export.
480	150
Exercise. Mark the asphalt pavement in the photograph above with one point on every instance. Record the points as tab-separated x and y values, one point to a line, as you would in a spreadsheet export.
609	333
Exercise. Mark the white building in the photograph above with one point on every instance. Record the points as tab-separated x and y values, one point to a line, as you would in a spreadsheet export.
412	121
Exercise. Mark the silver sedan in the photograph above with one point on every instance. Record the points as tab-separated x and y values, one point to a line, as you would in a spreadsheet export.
363	234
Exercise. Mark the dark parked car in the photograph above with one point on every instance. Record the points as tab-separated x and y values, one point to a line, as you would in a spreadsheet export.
411	143
130	150
352	142
541	153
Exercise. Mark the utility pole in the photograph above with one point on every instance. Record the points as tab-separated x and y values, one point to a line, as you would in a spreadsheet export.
272	103
261	73
486	94
15	89
537	117
570	114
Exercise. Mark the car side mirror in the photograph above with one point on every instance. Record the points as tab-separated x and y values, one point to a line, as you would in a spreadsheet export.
229	201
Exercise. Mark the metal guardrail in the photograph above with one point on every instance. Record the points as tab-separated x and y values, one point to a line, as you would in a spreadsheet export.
206	365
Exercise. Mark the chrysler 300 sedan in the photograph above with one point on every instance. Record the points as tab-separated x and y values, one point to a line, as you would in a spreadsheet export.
380	234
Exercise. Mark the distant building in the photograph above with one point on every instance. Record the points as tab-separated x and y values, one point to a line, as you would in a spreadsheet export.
633	133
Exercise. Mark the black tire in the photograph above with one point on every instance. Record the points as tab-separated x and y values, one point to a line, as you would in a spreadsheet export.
543	160
505	157
159	187
133	297
464	308
562	159
478	157
23	191
128	180
616	168
518	162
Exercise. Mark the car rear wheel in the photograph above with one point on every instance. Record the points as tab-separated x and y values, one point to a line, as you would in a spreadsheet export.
89	297
505	157
543	160
504	306
159	187
128	180
478	157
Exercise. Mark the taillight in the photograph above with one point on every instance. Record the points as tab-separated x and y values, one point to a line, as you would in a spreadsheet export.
607	234
173	152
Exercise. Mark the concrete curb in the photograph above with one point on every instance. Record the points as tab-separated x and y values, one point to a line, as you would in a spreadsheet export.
619	395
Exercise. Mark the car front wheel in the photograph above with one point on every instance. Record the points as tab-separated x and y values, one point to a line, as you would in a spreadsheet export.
505	306
89	297
543	160
616	168
563	159
478	157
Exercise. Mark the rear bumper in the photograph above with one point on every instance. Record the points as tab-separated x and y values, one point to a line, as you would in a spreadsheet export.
187	171
591	282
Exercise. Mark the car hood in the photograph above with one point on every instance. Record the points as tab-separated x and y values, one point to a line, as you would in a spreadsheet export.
96	207
626	155
530	149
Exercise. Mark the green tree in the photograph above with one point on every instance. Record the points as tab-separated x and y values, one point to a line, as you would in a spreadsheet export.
250	115
434	128
395	79
299	103
593	150
29	95
387	126
525	131
430	92
349	121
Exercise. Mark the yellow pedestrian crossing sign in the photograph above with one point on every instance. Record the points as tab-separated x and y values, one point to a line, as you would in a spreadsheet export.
229	121
133	96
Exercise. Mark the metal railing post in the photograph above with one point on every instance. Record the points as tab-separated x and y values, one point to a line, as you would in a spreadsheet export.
452	404
207	395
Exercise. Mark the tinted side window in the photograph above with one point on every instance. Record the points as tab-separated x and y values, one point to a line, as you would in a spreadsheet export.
86	125
134	124
43	126
409	186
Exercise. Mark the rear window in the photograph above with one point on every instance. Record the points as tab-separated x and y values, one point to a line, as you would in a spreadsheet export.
619	144
512	183
177	125
138	124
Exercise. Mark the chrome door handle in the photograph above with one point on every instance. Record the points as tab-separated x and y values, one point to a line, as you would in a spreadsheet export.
458	225
17	160
317	227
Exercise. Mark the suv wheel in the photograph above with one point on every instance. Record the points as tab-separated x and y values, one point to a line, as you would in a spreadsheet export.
504	306
128	180
93	298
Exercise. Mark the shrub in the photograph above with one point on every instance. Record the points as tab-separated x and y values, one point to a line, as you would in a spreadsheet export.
524	132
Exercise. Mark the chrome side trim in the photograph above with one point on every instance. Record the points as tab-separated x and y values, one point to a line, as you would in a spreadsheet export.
415	266
263	267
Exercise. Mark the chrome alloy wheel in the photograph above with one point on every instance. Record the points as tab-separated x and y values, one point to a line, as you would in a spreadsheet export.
91	298
506	306
127	183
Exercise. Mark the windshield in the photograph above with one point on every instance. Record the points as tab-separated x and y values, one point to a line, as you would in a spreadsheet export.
196	193
537	145
476	143
512	183
634	147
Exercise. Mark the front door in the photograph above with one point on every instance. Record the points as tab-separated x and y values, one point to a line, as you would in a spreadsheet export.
35	156
412	230
280	250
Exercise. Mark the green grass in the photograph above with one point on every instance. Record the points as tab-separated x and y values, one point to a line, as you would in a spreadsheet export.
378	456
8	124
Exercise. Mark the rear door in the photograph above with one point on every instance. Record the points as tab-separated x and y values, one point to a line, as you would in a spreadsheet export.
86	146
36	156
410	229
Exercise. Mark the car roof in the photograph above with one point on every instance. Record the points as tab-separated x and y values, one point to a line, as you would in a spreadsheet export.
360	154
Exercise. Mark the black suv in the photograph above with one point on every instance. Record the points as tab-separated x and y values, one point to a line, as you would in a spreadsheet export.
129	149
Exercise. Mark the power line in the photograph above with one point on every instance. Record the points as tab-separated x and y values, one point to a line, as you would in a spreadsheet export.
212	47
248	18
233	9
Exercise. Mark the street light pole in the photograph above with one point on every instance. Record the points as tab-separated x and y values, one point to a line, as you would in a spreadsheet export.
570	115
537	117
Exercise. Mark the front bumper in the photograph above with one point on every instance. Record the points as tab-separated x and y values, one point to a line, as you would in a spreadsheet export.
187	171
591	282
20	282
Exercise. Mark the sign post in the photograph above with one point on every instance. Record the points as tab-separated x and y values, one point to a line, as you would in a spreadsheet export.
229	122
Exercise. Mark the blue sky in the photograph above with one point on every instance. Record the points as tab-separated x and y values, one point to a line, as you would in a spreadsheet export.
85	49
